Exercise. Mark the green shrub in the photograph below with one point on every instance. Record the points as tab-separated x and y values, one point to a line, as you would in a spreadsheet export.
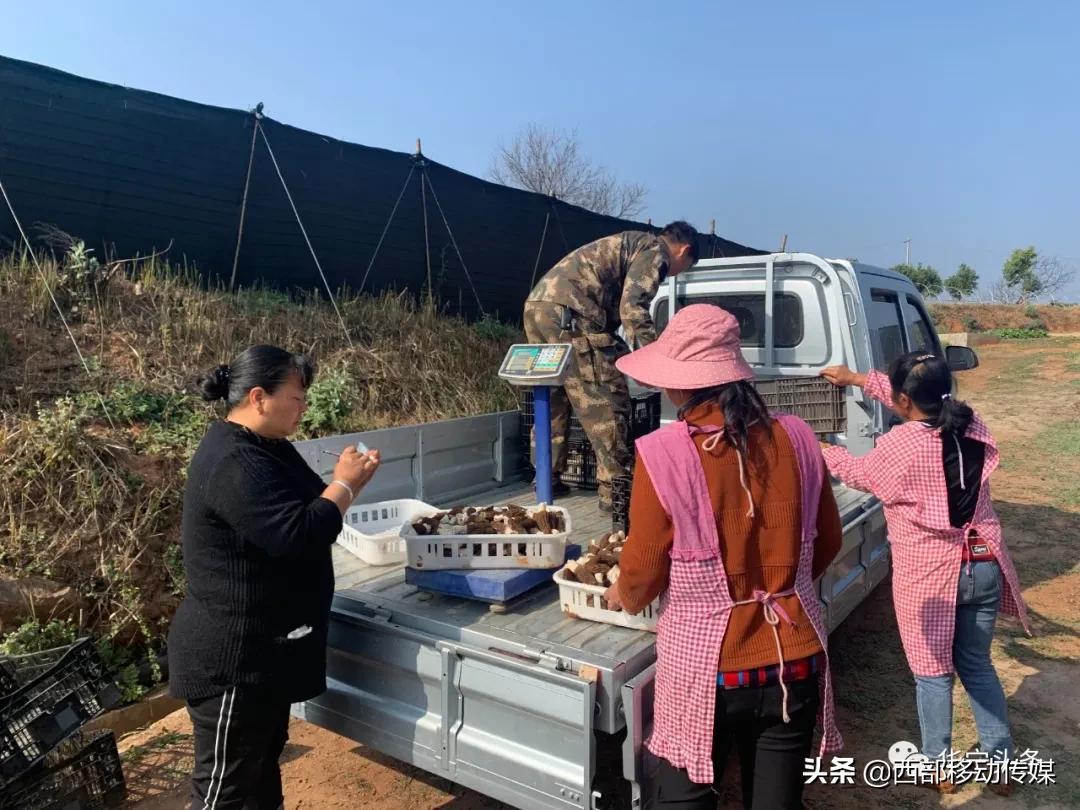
122	663
330	401
134	403
972	325
170	423
491	328
33	636
259	302
1022	332
1031	311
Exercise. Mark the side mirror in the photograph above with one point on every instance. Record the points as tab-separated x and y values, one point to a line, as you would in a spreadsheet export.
961	358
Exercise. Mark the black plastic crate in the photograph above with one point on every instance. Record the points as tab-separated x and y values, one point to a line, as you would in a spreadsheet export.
620	503
645	414
644	417
85	773
644	411
581	458
580	469
45	710
19	670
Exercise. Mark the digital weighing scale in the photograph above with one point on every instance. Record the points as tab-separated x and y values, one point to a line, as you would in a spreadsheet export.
540	366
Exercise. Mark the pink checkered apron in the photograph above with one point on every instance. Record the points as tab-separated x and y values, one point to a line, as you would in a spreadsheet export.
697	604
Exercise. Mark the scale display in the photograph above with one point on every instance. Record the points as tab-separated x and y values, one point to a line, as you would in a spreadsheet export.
535	363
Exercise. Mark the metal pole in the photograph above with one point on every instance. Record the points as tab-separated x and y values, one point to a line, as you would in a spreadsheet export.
423	202
907	250
257	112
542	423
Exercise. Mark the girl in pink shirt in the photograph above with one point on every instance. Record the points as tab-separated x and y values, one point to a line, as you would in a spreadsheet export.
952	573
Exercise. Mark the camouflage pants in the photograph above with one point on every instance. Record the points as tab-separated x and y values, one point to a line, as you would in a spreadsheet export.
594	388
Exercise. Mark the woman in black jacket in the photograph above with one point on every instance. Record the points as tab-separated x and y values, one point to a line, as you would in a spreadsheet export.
249	638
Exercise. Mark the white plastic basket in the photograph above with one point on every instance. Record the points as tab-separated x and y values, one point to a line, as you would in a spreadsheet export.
434	552
372	531
583	601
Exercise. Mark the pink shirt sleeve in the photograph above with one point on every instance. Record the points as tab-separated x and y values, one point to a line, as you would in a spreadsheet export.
878	387
879	472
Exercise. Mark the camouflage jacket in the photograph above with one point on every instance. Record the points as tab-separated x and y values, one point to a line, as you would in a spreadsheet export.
610	281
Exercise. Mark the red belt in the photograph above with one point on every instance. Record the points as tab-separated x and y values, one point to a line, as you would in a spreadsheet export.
798	670
976	549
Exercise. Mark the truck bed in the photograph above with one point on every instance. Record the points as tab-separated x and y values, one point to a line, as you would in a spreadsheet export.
533	626
508	702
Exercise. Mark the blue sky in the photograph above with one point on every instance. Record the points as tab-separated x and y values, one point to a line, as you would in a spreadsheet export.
848	126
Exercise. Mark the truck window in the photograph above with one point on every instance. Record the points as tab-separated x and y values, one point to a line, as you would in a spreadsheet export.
749	309
885	327
919	332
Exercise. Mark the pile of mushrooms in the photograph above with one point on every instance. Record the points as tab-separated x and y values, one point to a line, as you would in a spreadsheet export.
600	563
511	519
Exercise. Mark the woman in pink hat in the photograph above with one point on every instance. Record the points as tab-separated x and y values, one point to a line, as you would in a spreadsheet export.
731	520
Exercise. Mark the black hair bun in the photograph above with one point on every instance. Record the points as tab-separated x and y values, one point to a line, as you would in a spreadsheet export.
214	385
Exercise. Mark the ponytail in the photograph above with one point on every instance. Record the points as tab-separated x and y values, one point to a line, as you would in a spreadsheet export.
926	379
954	417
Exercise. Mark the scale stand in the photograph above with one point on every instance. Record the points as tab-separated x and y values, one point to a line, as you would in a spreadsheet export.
540	366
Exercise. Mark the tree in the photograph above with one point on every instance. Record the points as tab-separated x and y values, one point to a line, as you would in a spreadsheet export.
925	278
1053	275
551	162
962	283
1021	280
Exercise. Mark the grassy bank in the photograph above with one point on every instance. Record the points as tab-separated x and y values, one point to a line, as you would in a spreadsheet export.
94	464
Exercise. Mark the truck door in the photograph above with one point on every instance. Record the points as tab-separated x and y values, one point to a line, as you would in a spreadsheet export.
898	324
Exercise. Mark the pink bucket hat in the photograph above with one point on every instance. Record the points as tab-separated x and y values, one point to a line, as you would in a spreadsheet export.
698	349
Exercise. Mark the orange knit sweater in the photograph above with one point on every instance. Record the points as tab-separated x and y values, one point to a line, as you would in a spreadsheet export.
762	552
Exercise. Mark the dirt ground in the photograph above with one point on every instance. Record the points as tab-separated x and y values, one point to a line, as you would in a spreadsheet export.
1030	394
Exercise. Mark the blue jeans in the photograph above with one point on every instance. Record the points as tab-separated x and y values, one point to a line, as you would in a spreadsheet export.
977	600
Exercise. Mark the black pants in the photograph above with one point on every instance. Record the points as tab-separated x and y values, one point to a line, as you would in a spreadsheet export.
239	736
771	752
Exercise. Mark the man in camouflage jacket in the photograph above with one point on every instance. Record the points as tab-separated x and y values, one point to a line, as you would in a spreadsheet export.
583	300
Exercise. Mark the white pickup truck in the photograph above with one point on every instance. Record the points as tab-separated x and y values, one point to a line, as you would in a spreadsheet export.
527	705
